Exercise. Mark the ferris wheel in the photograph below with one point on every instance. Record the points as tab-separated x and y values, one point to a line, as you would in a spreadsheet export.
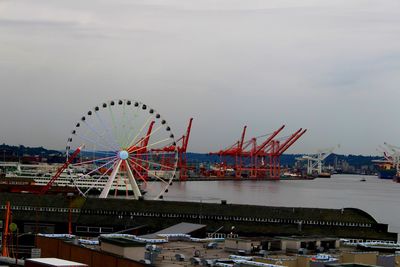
127	149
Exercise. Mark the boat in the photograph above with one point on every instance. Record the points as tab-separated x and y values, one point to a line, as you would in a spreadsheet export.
385	169
384	173
33	178
324	175
363	180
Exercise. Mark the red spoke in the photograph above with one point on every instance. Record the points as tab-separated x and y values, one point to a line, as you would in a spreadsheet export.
140	176
158	164
159	178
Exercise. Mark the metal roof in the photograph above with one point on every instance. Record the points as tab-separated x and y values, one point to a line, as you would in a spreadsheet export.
56	262
180	228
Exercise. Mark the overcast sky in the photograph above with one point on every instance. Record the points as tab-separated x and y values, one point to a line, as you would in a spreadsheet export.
332	67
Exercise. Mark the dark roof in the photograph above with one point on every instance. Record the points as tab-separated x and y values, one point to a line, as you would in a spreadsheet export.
122	242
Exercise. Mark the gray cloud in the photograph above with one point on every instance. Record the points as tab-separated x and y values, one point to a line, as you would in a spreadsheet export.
331	67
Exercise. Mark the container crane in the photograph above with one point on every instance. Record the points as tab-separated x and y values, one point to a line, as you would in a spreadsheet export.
234	151
315	161
278	149
260	151
182	158
256	156
394	156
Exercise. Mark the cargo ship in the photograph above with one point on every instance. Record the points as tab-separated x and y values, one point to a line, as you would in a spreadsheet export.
385	169
387	173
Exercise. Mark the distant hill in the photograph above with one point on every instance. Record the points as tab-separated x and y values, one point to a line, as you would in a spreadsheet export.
290	159
29	151
30	154
14	152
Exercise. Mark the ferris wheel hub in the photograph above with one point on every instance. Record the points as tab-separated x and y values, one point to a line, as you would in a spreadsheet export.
123	154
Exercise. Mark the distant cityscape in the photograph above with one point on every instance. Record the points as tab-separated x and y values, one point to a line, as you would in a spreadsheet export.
336	163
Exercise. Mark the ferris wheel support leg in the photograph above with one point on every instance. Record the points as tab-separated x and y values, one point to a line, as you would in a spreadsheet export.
132	181
110	181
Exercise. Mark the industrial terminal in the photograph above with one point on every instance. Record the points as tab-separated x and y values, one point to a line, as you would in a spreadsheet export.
106	202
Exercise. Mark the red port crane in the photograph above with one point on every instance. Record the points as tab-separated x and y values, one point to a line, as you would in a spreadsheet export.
234	151
263	161
259	152
278	149
182	157
60	170
140	161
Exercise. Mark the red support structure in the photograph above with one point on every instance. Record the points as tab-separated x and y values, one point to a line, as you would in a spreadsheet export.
239	154
6	233
182	159
60	170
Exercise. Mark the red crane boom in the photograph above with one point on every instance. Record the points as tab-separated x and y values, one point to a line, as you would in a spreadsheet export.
182	160
291	141
269	139
185	138
60	170
146	139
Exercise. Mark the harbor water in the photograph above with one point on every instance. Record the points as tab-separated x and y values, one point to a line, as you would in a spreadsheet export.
380	198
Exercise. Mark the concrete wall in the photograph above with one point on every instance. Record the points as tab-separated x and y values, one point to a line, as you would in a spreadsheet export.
369	258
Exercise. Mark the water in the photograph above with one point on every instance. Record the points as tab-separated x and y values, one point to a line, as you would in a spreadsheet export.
380	198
